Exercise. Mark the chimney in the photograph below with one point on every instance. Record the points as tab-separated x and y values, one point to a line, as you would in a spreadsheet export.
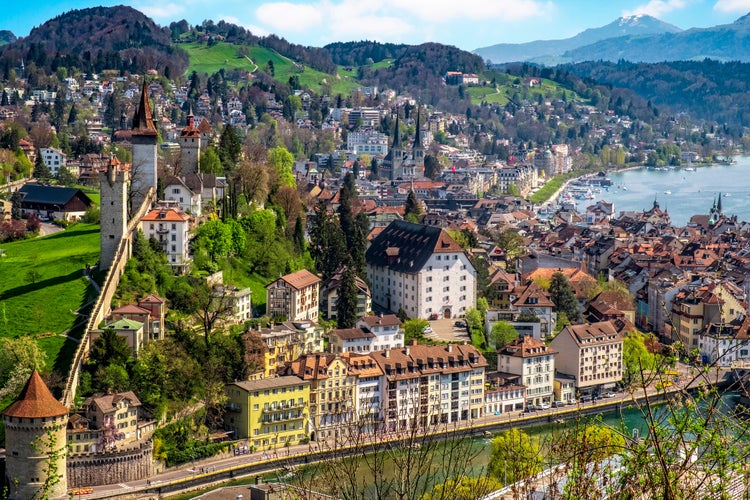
413	341
387	353
450	347
406	351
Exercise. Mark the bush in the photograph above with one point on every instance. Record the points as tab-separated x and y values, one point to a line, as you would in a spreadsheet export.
92	216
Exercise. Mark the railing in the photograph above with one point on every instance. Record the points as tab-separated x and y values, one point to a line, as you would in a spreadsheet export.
105	298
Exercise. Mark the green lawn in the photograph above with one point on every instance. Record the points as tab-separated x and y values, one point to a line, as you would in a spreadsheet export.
204	59
46	307
489	95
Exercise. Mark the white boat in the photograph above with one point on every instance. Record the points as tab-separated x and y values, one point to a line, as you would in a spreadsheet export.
624	188
667	192
689	169
727	194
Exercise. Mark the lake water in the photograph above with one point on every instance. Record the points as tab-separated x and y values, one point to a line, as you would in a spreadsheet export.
681	192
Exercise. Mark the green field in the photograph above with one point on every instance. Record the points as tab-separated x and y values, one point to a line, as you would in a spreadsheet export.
487	94
46	308
209	60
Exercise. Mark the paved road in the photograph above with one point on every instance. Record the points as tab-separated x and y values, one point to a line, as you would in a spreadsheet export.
45	228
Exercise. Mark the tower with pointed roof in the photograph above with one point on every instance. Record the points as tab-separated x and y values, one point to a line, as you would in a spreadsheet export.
144	137
113	203
417	150
35	440
393	163
190	146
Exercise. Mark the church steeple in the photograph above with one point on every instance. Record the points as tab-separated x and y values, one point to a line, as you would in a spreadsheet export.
417	133
718	205
396	135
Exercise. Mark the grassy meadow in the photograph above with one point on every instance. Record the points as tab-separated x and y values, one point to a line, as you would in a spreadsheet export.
42	286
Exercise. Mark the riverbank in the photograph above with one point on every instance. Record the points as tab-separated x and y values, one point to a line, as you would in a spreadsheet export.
215	472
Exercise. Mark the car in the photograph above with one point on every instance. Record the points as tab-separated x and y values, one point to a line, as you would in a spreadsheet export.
529	408
459	324
585	399
558	404
609	394
427	329
544	406
572	401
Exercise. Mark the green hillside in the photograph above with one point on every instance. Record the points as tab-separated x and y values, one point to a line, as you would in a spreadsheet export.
205	59
42	286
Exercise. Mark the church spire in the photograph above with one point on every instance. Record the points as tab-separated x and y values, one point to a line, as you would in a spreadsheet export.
718	205
397	135
417	133
143	121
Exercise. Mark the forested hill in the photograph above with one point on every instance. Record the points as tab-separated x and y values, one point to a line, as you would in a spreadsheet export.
95	39
706	89
6	37
364	52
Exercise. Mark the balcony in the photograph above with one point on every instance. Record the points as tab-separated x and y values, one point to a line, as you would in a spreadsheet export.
234	407
283	407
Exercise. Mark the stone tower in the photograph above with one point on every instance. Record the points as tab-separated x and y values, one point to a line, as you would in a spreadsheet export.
190	147
35	441
144	137
113	207
393	163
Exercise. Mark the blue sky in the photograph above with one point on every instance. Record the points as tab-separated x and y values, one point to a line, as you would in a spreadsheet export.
468	24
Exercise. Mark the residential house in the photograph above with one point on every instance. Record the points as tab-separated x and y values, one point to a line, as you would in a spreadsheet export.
329	296
367	396
54	159
724	344
189	199
421	270
702	303
106	422
51	202
170	227
294	296
608	305
131	331
269	413
503	394
239	301
592	354
534	361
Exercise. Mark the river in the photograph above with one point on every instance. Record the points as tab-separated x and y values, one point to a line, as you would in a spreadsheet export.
681	192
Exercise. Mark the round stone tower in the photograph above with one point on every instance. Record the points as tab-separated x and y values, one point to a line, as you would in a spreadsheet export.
35	442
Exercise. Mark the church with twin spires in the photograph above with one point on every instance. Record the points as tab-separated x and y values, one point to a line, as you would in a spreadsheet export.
400	163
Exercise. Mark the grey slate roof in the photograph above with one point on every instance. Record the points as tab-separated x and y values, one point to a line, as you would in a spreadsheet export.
38	193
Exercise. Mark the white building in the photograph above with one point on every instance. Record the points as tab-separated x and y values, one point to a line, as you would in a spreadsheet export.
53	158
421	270
534	361
372	333
592	354
367	396
239	301
170	227
367	141
175	189
727	343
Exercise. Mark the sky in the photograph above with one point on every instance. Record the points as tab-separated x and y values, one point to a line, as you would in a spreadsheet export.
467	24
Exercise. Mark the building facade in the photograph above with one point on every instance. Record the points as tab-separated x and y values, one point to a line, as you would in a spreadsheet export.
294	296
170	227
534	361
421	270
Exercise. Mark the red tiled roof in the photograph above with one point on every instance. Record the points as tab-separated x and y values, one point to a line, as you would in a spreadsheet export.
170	215
35	401
301	279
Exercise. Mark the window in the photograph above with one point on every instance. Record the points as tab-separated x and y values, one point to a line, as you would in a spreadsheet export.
175	190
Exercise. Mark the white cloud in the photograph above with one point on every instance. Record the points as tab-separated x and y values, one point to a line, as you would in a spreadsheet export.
448	10
285	16
732	6
657	8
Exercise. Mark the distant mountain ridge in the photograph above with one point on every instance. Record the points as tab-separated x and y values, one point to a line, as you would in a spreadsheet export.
547	51
725	42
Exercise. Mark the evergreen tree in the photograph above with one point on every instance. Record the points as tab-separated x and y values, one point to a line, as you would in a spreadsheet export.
431	166
73	115
413	211
4	100
562	295
230	148
299	235
65	177
346	306
58	115
327	243
41	170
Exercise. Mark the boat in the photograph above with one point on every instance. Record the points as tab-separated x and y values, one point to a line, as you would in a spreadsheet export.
624	188
689	169
727	194
667	192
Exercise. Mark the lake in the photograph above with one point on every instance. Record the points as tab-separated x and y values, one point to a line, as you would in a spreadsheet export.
681	192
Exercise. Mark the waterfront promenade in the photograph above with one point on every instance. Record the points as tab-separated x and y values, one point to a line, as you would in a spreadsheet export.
216	471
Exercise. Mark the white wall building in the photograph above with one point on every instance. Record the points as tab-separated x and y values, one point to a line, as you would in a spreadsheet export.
189	201
534	361
53	158
367	141
170	228
421	270
372	333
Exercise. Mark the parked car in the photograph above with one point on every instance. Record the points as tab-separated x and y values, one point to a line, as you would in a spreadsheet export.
572	401
609	394
586	399
544	406
558	404
427	329
529	408
459	324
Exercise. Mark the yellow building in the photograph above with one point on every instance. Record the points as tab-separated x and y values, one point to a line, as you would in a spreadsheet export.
701	304
270	413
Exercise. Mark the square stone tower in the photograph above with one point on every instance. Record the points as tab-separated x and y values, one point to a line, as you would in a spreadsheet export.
144	137
113	210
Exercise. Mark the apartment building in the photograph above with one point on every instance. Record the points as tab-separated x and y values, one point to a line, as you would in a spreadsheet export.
294	296
270	413
170	227
534	361
591	354
372	333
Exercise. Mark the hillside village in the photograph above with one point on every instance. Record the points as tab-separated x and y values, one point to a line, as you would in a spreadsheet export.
431	227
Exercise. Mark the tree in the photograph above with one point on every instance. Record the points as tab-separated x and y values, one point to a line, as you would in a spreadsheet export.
108	349
41	170
213	304
432	166
214	237
502	334
512	243
463	488
347	302
414	329
515	457
18	358
327	243
230	148
300	242
413	209
281	162
635	356
65	177
210	163
563	297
